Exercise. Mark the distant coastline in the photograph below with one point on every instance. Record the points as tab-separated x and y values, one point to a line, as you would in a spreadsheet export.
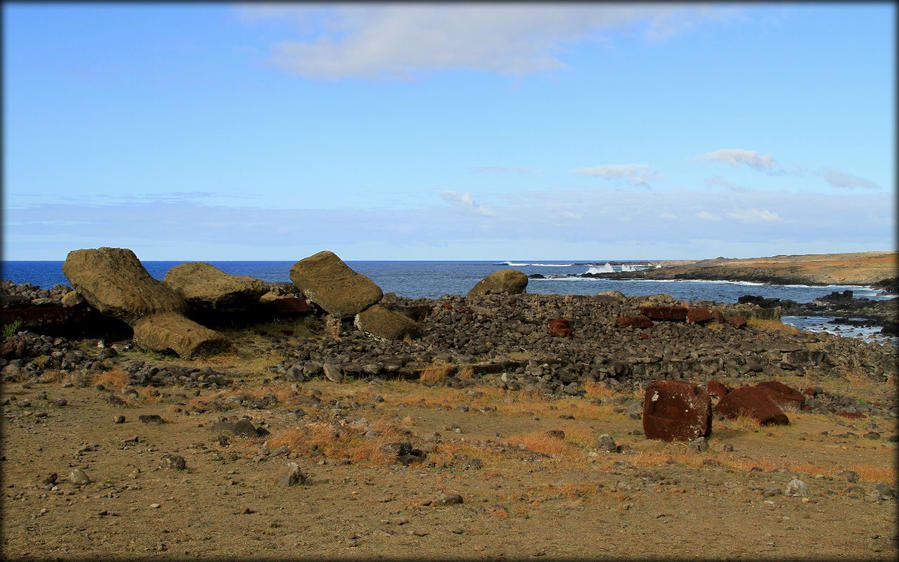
860	268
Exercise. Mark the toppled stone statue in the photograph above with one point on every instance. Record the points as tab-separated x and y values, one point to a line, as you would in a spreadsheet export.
113	281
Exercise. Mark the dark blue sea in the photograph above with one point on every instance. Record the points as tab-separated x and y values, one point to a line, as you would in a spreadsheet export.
434	279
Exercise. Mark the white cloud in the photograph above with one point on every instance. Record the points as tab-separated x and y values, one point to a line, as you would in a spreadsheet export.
636	174
464	201
837	178
401	40
724	183
707	216
667	216
755	216
738	156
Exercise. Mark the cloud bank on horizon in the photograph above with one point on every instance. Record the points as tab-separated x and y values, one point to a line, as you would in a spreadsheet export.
464	131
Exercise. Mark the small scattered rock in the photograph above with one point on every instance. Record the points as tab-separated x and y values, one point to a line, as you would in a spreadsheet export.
446	499
606	443
79	477
173	462
332	373
150	418
118	419
292	475
699	445
797	488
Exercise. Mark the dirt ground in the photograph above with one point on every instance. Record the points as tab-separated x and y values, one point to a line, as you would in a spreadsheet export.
524	493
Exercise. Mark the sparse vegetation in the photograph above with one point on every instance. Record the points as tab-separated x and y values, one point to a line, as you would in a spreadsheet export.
11	328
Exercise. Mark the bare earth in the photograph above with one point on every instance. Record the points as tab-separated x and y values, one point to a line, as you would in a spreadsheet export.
533	495
861	268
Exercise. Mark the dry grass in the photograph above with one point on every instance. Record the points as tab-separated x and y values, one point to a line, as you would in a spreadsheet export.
436	373
115	378
740	423
320	438
598	390
540	442
772	325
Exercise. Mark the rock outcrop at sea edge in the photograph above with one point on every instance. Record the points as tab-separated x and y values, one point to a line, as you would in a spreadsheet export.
207	288
504	281
113	281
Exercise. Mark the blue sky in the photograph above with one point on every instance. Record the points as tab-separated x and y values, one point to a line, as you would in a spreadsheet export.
482	131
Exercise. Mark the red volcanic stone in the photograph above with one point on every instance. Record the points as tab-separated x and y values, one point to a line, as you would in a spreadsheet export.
699	315
851	415
290	306
14	346
737	321
718	316
676	411
634	321
716	389
674	313
559	328
447	306
784	396
644	336
753	402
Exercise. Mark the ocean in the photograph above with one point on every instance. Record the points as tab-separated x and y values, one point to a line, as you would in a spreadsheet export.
433	279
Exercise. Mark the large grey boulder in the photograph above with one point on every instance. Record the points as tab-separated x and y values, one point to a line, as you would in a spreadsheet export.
504	281
206	287
383	323
113	281
329	283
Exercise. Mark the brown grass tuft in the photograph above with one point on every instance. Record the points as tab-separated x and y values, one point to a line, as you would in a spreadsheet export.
436	373
116	378
598	390
772	325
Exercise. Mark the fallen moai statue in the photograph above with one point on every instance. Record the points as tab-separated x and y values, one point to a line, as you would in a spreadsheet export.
113	281
326	281
207	288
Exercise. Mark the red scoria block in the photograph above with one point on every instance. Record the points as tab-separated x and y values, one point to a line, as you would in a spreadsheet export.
782	395
717	389
699	315
559	328
673	313
290	306
753	402
639	321
676	411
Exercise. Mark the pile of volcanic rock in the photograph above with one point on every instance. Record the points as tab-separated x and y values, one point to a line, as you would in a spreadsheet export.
682	411
27	355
